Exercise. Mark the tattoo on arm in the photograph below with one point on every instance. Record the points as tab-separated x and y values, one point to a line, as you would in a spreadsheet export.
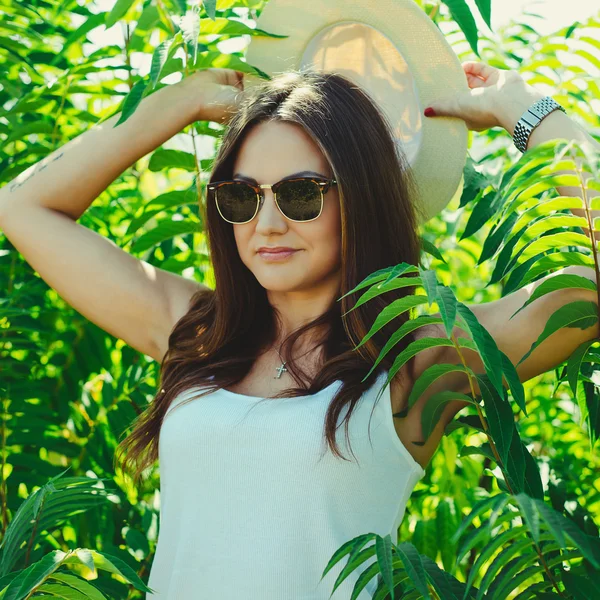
14	186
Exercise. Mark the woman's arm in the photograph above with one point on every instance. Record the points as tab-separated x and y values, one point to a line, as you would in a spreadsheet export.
70	178
498	98
126	296
513	101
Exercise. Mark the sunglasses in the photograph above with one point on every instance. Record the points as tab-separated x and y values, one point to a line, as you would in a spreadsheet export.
299	199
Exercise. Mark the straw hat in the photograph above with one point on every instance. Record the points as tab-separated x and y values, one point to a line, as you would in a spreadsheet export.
393	50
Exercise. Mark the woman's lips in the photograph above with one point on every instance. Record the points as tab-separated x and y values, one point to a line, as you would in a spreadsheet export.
276	256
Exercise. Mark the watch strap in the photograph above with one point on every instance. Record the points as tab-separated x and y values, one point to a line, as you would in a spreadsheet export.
531	118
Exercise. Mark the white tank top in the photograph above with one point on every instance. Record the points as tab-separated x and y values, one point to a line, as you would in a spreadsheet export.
252	507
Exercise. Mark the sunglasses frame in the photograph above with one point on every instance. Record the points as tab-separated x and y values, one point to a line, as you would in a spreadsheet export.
323	183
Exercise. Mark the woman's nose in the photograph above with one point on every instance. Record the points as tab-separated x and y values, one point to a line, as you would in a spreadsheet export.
269	214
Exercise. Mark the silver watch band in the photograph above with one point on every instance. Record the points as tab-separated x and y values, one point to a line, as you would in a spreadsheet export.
531	118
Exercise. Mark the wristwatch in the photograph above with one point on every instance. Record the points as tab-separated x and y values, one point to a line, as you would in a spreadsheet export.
531	118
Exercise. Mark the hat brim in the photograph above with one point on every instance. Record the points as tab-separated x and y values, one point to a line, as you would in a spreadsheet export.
439	159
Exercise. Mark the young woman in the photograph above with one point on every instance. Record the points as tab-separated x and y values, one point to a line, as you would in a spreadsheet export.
307	196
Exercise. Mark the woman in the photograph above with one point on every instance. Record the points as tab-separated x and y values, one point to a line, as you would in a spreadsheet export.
273	329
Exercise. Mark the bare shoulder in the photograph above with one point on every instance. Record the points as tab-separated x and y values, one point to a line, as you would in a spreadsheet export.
408	427
514	322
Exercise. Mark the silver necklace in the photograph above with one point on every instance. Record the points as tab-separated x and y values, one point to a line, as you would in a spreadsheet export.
281	369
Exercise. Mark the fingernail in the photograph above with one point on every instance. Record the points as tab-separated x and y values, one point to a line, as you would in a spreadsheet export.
429	112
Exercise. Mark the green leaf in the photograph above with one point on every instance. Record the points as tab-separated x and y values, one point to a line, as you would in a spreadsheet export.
547	222
446	586
574	363
515	464
166	159
560	526
160	56
383	549
357	557
387	273
558	282
499	416
547	242
491	548
113	564
446	523
390	312
592	408
581	314
485	208
211	8
47	508
534	487
494	503
413	564
404	330
556	240
165	230
117	12
547	208
173	199
475	182
33	576
514	382
461	13
483	450
555	260
486	345
434	407
382	288
431	374
350	548
131	101
429	284
425	537
79	584
64	592
447	303
400	269
495	238
226	27
485	10
413	349
579	586
432	249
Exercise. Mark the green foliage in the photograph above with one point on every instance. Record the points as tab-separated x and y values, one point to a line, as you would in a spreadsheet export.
510	504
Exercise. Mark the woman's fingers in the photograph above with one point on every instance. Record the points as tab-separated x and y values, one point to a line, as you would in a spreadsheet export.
478	69
474	81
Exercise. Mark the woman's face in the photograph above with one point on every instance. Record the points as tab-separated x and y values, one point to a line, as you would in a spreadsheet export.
271	151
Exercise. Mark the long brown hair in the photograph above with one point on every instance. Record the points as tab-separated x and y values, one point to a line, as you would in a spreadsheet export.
216	342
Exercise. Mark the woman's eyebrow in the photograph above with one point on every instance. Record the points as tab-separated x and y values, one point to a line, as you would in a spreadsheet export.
299	174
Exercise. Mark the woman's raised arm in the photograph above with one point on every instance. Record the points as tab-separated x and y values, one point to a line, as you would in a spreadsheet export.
127	297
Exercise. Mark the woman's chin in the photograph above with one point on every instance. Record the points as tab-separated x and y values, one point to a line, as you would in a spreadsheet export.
280	282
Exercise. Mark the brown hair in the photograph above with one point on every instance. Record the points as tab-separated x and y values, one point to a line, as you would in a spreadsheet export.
225	330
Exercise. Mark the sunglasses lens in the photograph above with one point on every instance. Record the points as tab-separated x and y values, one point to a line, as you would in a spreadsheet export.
236	201
300	199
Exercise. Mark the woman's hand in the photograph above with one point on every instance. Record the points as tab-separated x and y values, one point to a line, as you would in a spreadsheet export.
497	97
218	93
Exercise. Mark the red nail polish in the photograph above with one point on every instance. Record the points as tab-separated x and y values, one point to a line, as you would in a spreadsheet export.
429	112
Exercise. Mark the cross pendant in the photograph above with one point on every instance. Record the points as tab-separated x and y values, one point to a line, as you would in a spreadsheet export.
280	370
